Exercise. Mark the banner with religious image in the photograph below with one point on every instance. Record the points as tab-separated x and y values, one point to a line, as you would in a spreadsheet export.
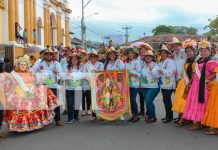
110	94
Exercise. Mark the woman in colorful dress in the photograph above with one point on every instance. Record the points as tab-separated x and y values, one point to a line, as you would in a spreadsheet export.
184	84
29	106
149	84
134	70
92	65
211	114
72	77
198	93
167	82
114	63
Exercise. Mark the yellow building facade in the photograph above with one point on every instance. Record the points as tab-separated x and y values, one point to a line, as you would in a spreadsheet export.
1	20
46	22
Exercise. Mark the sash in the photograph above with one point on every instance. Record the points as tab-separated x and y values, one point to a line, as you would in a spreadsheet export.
198	72
23	85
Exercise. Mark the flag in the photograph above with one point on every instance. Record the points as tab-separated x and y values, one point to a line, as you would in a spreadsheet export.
110	94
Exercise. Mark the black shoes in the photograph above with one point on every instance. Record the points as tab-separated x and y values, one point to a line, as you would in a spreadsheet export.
167	120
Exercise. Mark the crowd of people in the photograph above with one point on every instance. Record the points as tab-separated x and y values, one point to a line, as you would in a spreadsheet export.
186	70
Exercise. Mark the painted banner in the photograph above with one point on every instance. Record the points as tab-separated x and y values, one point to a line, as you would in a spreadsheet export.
110	94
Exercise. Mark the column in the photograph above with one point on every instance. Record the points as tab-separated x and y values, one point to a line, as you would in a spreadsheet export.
47	30
49	26
11	20
27	19
59	34
16	10
31	20
67	31
35	19
45	26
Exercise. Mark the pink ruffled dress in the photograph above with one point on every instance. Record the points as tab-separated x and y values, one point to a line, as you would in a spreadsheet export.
194	110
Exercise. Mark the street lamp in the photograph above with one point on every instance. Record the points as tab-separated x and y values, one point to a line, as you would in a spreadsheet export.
91	15
83	26
83	29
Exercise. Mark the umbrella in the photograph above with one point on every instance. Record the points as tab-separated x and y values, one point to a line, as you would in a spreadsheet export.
139	44
33	49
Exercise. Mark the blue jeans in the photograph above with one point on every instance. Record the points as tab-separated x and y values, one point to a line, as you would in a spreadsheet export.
134	106
72	113
149	95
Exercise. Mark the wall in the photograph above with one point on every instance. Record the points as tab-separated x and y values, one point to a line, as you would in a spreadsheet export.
1	26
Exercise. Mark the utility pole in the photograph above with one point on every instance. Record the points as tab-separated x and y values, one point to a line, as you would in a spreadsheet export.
83	26
127	33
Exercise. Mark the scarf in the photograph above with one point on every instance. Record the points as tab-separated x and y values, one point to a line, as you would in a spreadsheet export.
202	79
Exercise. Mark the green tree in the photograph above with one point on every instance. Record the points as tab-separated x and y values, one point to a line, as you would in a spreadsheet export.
163	29
213	28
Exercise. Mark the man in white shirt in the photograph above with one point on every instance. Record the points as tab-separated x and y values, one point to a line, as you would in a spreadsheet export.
51	68
179	57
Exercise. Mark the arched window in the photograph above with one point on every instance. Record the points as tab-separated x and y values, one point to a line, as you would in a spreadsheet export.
53	30
39	31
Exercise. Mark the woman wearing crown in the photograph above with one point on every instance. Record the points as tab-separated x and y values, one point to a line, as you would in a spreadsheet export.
184	84
29	105
203	75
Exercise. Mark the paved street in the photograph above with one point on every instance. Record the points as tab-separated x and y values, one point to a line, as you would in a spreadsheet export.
120	135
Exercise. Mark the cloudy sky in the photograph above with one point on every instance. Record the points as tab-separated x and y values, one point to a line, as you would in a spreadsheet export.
141	15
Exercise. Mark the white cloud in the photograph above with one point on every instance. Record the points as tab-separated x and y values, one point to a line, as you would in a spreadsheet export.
147	13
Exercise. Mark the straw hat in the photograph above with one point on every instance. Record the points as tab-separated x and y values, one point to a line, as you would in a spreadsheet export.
112	49
148	53
93	52
204	44
73	55
164	48
83	51
49	50
175	41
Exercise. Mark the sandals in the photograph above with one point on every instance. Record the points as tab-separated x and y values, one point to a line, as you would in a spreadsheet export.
2	136
212	132
176	120
196	127
180	124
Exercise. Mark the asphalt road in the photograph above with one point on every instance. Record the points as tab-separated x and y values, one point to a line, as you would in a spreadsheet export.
119	135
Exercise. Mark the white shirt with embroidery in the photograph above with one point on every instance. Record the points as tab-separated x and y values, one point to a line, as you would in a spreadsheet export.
89	68
167	79
134	67
64	63
72	78
46	71
150	77
117	65
179	63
